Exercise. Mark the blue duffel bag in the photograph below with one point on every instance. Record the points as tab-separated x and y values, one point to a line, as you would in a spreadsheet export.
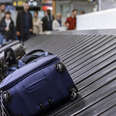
41	83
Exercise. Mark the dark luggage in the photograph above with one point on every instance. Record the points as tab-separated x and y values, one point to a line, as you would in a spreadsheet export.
16	46
43	82
10	53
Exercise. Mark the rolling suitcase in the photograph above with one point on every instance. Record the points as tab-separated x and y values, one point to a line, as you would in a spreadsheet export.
12	50
43	82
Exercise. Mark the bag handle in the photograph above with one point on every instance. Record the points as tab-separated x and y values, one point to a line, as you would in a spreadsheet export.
28	59
35	51
30	56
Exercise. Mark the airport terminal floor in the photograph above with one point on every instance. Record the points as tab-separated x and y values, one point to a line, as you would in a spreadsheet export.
91	60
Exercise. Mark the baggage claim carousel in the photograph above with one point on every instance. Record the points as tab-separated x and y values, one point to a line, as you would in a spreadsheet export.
90	57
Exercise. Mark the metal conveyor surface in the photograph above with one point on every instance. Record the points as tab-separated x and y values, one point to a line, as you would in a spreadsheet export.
91	61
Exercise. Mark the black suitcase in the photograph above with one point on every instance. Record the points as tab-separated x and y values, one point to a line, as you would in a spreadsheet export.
13	50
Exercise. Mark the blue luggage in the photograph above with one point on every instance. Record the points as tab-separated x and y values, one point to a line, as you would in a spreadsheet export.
43	82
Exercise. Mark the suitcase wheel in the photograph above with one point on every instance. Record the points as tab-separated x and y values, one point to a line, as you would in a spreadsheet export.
60	67
73	93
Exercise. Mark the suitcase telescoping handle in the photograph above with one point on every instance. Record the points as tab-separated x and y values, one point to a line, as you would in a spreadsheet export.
32	55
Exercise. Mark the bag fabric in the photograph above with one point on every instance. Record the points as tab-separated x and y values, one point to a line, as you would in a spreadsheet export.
37	85
15	67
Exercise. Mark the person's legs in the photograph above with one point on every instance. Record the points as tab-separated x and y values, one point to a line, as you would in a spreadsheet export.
1	39
24	37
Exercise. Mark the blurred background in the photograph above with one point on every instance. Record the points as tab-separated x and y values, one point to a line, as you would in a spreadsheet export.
63	6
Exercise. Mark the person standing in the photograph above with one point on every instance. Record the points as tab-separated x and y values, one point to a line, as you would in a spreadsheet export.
59	19
47	21
24	23
57	23
50	20
7	28
37	24
2	11
71	21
